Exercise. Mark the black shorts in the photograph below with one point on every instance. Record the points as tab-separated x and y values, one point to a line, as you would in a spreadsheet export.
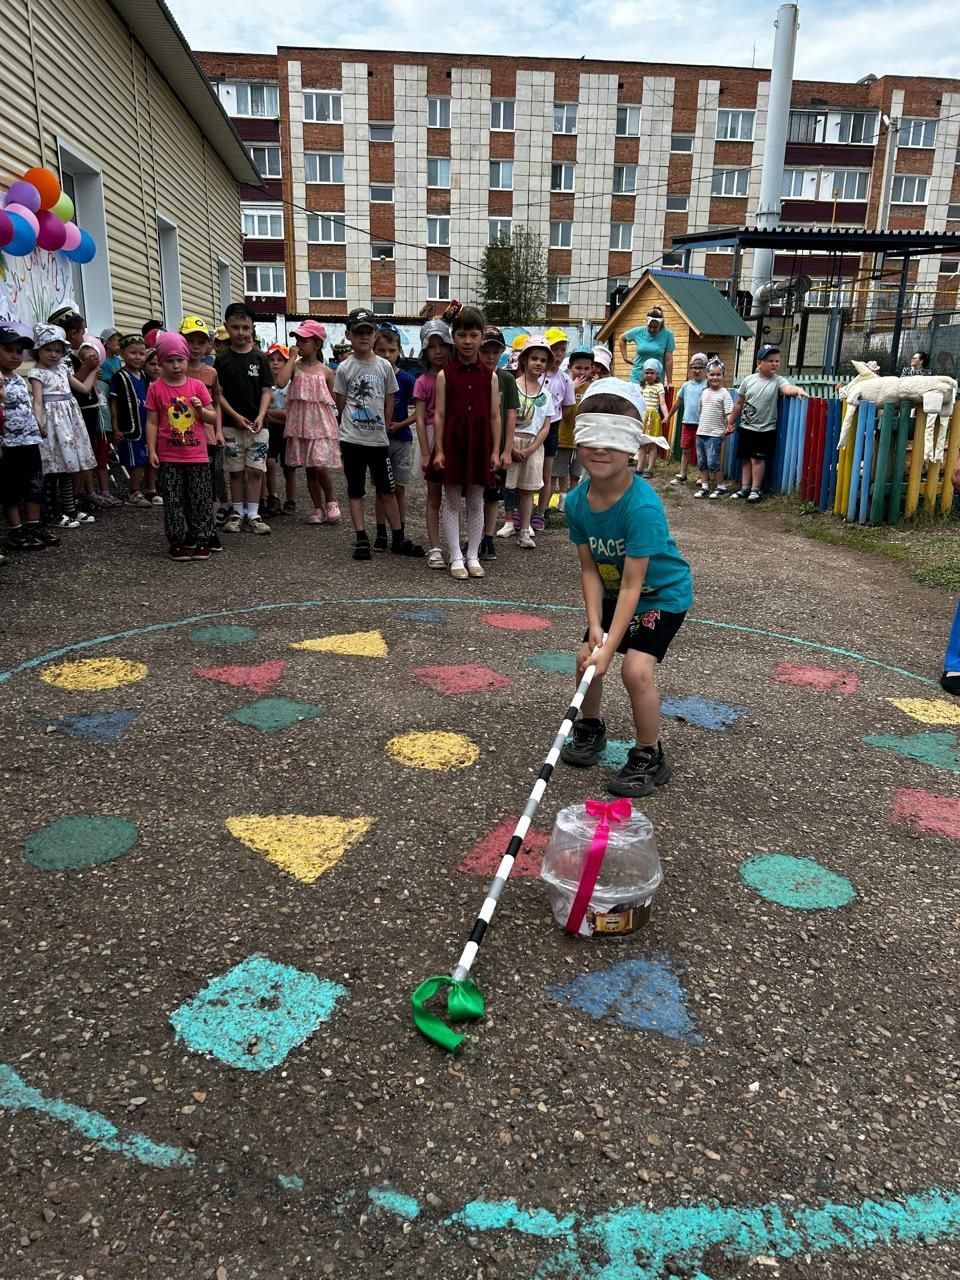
21	475
552	442
495	492
358	459
651	631
275	447
755	444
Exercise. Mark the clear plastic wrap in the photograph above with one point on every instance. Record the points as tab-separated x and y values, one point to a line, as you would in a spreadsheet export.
629	875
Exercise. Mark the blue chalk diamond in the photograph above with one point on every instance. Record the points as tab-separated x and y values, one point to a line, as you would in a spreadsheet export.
702	712
643	995
255	1013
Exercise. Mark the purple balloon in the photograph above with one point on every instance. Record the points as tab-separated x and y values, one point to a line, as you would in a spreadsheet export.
24	237
52	232
85	251
24	193
72	237
29	217
6	229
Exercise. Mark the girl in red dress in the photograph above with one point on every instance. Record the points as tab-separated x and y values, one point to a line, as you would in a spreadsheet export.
467	430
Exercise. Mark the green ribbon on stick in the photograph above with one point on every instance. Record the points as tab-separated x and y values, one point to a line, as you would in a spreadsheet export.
464	1004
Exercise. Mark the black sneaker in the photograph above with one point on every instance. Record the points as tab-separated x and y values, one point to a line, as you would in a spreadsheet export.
646	769
362	551
180	553
215	544
588	739
380	542
487	549
950	683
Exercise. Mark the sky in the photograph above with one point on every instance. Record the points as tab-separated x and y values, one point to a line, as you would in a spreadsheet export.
839	40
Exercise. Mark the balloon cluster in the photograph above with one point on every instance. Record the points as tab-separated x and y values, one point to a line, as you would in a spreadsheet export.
37	214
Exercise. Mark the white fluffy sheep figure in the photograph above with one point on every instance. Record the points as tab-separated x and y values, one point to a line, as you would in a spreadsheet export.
934	392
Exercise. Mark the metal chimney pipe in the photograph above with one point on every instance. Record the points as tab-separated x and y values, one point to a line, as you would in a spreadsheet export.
775	141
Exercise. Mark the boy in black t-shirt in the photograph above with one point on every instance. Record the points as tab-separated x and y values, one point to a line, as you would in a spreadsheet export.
246	389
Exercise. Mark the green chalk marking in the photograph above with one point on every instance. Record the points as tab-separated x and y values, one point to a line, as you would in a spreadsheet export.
223	635
802	883
80	840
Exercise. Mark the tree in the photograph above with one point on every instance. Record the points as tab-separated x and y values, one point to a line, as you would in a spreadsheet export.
513	287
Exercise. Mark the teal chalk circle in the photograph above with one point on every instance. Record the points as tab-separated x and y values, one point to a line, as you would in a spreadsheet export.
223	635
801	883
78	841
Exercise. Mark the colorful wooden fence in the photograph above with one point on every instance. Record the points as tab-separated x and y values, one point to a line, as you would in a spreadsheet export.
876	478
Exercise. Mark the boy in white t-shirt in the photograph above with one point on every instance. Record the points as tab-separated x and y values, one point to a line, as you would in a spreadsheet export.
716	403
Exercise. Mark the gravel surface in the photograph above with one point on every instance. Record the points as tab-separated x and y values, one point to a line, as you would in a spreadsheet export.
822	1068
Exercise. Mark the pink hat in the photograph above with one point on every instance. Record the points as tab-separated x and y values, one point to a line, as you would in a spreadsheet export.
172	344
310	329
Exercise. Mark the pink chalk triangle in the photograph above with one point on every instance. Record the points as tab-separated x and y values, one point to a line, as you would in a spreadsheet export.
259	678
484	858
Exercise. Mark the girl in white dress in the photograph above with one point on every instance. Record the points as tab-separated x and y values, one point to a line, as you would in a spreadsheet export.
66	451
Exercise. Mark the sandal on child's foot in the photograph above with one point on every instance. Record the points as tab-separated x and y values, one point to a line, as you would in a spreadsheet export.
435	559
362	551
380	542
408	548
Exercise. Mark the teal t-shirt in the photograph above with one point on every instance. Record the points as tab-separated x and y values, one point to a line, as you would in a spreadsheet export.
648	346
636	525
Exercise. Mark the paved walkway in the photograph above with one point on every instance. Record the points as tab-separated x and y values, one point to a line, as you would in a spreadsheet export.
251	804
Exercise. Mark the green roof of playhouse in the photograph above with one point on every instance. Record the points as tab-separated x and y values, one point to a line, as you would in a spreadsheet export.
702	305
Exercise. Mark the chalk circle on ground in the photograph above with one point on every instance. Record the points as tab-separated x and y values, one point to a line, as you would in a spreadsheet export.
801	883
516	621
88	675
437	751
224	634
79	840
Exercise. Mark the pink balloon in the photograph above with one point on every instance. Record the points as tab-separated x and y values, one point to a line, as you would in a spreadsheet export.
72	237
6	229
29	217
52	233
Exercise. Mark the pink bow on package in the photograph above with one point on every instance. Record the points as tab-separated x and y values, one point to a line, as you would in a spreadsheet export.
606	813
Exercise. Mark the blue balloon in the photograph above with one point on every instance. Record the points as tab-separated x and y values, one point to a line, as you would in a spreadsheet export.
24	237
85	251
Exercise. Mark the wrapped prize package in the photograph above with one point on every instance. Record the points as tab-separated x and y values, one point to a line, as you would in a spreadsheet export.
601	868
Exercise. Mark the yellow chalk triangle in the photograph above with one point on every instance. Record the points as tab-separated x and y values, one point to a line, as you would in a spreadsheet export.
930	711
304	846
359	644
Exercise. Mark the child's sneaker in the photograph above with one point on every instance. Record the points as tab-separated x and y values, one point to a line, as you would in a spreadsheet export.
155	500
67	522
318	516
527	540
180	553
84	517
273	505
537	523
507	529
743	493
380	542
646	769
233	523
256	525
215	543
754	495
701	491
678	479
487	549
720	491
435	559
201	553
584	745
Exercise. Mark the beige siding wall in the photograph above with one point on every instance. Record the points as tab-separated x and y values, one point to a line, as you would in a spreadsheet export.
95	90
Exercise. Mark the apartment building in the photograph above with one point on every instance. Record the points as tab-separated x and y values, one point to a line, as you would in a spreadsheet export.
387	174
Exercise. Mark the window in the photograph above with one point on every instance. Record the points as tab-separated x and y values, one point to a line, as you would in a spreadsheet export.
326	228
681	142
558	290
844	184
561	177
858	127
561	235
327	284
323	107
735	126
949	266
224	286
624	179
564	117
806	126
628	122
502	112
953	212
799	184
438	113
910	188
323	166
438	231
438	287
828	298
501	175
384	306
729	182
266	161
380	132
677	204
499	231
264	279
381	195
90	282
250	99
917	133
263	224
674	258
438	173
381	251
171	288
621	235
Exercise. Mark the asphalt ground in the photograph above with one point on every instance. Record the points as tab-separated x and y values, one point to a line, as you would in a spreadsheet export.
811	1060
